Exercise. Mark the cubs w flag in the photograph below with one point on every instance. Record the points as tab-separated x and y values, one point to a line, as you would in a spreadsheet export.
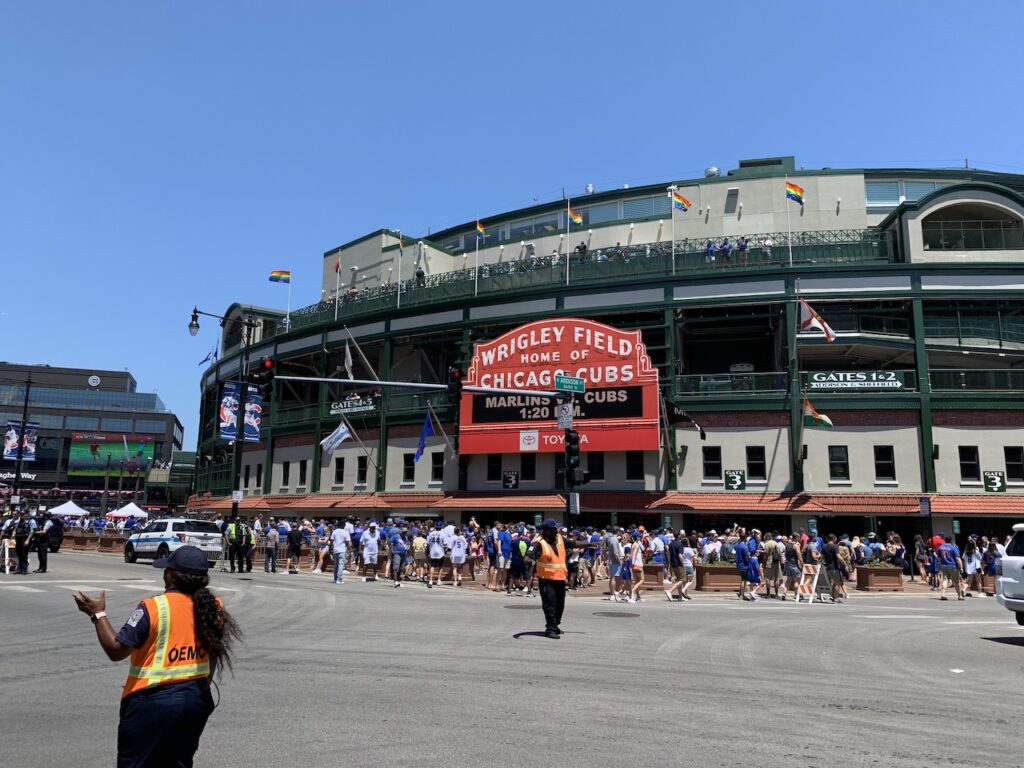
428	431
330	443
814	419
811	320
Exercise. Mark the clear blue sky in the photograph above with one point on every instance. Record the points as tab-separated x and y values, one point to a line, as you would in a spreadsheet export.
161	155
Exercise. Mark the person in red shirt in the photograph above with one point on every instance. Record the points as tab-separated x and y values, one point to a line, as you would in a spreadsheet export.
937	541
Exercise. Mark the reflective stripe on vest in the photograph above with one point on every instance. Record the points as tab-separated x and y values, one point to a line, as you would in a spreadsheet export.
551	563
171	653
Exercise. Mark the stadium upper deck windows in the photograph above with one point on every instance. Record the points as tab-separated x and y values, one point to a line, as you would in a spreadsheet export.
889	194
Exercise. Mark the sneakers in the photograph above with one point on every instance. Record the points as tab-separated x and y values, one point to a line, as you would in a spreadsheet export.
397	584
552	633
430	585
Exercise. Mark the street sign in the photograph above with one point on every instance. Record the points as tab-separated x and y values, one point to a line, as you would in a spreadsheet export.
538	520
735	479
574	503
564	413
995	482
925	505
832	380
510	479
956	526
236	497
569	383
666	521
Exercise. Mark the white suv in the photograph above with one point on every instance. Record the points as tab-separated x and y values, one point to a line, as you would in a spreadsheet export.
1010	575
160	538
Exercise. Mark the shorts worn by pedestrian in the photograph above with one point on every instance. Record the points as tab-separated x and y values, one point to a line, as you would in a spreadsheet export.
177	641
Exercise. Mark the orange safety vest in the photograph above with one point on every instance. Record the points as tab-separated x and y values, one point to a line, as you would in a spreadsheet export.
551	563
171	653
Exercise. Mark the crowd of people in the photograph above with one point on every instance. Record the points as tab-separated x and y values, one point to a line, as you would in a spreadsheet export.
770	564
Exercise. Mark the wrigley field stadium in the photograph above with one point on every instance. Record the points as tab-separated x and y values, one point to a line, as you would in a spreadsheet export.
774	346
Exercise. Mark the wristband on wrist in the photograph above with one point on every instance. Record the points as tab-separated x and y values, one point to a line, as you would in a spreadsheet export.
97	616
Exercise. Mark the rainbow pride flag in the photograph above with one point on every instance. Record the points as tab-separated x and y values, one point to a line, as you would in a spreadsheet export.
795	192
480	230
680	202
575	216
281	276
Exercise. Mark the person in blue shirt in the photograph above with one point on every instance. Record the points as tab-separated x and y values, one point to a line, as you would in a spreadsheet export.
742	554
709	252
504	558
726	250
399	546
950	565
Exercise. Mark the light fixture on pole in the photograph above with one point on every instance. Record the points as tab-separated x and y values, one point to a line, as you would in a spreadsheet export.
193	326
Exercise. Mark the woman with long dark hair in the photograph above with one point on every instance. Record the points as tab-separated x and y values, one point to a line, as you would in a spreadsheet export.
178	642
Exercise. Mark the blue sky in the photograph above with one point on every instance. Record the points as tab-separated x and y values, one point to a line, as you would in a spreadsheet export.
158	156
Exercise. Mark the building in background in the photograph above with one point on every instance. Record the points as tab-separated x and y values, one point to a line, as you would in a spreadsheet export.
919	273
95	432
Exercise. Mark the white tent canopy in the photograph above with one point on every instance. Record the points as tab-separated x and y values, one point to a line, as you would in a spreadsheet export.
68	509
128	510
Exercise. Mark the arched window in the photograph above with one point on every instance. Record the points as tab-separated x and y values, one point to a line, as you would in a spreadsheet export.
972	226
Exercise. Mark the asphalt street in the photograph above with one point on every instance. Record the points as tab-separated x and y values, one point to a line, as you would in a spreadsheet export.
367	675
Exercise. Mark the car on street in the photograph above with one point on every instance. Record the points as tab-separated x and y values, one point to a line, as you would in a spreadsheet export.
161	537
1010	575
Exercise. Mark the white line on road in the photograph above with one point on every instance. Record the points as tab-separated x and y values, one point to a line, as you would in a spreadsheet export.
1007	623
19	588
84	587
891	616
275	589
80	581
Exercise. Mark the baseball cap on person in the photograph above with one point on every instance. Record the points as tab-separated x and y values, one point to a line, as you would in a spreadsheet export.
590	529
439	525
549	523
190	560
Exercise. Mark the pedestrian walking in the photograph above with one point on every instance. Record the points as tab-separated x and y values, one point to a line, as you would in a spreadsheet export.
370	544
548	554
178	641
458	556
399	546
295	540
951	566
22	535
270	549
435	551
341	542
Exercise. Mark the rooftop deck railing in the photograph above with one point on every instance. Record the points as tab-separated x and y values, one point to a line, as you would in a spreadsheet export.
617	264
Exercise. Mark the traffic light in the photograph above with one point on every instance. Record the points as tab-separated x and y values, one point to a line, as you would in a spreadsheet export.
454	385
265	377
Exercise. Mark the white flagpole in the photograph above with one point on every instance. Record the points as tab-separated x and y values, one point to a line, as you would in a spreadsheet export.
672	213
359	440
476	261
568	223
399	302
789	229
437	421
361	355
288	312
337	286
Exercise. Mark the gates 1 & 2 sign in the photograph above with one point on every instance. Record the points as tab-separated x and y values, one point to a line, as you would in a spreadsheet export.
617	412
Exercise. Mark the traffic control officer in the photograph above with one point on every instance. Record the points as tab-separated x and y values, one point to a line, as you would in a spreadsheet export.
178	641
239	540
23	529
548	552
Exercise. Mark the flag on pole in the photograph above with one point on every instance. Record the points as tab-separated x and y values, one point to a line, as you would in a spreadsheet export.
348	361
795	192
337	266
125	438
811	320
480	234
428	431
216	353
401	248
281	276
814	419
330	443
208	358
680	203
575	216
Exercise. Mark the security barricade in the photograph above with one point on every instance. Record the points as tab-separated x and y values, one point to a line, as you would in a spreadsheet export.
808	583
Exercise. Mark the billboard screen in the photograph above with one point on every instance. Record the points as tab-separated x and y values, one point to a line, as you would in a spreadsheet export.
617	412
89	451
28	451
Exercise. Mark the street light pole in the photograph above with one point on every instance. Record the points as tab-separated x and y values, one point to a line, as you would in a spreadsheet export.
236	460
21	439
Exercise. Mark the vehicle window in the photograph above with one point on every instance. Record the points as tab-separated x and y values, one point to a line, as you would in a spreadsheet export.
176	527
1016	546
153	528
200	526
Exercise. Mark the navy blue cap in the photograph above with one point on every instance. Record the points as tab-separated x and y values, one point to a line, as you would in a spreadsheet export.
189	560
439	525
549	523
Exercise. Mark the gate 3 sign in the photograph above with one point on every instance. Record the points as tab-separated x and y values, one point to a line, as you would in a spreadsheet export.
617	412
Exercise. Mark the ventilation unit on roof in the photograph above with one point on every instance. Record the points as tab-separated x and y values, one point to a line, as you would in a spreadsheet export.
712	171
590	189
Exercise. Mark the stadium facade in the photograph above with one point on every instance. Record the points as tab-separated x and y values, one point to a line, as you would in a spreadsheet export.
917	271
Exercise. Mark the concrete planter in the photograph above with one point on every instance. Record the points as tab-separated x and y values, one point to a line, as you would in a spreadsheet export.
879	579
654	576
988	584
718	578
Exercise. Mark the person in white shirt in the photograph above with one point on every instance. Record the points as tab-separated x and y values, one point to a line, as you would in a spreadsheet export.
341	542
370	543
435	551
458	548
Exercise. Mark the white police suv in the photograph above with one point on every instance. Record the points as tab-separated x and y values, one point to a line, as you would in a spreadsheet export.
1010	575
160	538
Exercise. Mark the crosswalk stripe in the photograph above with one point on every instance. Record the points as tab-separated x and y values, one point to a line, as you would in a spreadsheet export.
275	589
19	588
85	587
143	587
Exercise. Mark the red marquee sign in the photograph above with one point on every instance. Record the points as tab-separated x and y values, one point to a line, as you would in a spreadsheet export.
618	411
